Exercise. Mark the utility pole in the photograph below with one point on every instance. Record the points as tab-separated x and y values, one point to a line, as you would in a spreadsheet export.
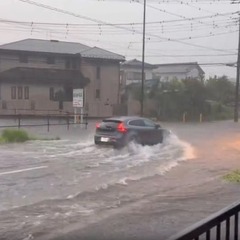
236	108
143	56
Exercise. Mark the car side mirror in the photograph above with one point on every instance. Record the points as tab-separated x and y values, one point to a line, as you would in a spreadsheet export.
157	126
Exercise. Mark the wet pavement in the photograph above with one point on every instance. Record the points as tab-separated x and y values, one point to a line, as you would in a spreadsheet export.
50	186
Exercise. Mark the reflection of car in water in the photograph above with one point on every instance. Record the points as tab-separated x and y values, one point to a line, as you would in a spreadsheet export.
119	131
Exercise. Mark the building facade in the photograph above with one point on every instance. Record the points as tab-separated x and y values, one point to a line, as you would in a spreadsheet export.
40	75
131	72
179	71
155	75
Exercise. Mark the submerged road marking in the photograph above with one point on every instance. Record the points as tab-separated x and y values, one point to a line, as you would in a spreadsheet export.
23	170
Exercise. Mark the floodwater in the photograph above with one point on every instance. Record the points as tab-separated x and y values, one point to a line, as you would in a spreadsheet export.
47	182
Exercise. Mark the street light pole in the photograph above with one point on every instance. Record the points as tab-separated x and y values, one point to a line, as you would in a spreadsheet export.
143	56
236	108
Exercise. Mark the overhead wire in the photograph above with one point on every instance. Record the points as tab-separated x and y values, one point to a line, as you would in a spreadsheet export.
173	14
175	1
99	21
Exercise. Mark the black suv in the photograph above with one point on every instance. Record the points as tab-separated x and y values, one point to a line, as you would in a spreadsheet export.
119	131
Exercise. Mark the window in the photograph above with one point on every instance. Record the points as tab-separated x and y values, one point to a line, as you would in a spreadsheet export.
137	123
60	105
71	63
33	105
134	76
4	105
51	93
68	94
23	58
149	123
98	93
50	60
26	92
13	92
74	64
20	92
98	74
121	79
67	64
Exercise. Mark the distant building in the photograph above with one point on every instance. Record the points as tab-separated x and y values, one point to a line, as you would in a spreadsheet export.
40	75
131	72
155	75
180	71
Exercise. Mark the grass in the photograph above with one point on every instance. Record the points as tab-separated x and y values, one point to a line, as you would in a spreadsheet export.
19	136
233	176
14	136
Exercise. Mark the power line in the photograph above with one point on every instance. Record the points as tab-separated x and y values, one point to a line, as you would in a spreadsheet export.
194	7
173	14
176	1
120	27
185	55
161	26
179	27
118	24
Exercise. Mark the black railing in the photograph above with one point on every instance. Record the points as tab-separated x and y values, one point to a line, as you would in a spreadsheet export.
221	225
21	121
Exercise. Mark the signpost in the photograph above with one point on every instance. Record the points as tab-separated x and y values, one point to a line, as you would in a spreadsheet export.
78	103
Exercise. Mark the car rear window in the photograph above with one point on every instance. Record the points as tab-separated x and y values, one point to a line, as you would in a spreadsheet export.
110	123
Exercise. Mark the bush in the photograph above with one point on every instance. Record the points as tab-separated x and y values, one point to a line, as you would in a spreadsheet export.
233	176
12	136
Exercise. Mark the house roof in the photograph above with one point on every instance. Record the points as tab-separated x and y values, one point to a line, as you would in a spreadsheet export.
44	75
177	68
60	47
136	63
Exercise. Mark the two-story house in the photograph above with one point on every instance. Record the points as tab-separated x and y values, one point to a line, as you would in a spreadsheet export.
131	72
180	71
40	75
155	74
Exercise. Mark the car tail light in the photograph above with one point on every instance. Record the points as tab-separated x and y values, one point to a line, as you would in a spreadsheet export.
97	125
121	128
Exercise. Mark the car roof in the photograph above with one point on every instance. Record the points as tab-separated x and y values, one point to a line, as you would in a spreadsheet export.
123	118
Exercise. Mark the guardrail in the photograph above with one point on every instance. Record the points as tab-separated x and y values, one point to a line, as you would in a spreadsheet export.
68	119
223	225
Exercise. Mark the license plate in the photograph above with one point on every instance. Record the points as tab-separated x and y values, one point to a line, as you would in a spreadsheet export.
103	139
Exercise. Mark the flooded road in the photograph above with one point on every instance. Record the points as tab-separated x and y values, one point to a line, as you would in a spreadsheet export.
40	170
45	183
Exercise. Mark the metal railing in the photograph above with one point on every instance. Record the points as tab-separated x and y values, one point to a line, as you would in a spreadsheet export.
21	121
221	225
26	111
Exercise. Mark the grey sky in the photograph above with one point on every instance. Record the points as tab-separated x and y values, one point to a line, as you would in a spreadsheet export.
218	32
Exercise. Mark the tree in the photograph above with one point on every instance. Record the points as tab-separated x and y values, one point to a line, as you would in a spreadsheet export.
176	97
220	89
195	96
191	96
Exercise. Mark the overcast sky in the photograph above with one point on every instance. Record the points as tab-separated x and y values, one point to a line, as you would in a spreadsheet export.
204	31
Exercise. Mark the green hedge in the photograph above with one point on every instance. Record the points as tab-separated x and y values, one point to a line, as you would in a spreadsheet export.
14	136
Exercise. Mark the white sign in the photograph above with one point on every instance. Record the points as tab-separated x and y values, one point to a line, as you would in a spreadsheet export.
78	98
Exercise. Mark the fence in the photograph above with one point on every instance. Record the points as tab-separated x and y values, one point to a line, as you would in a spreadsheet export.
64	119
223	225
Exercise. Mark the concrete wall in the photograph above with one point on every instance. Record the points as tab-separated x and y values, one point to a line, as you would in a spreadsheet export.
134	107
